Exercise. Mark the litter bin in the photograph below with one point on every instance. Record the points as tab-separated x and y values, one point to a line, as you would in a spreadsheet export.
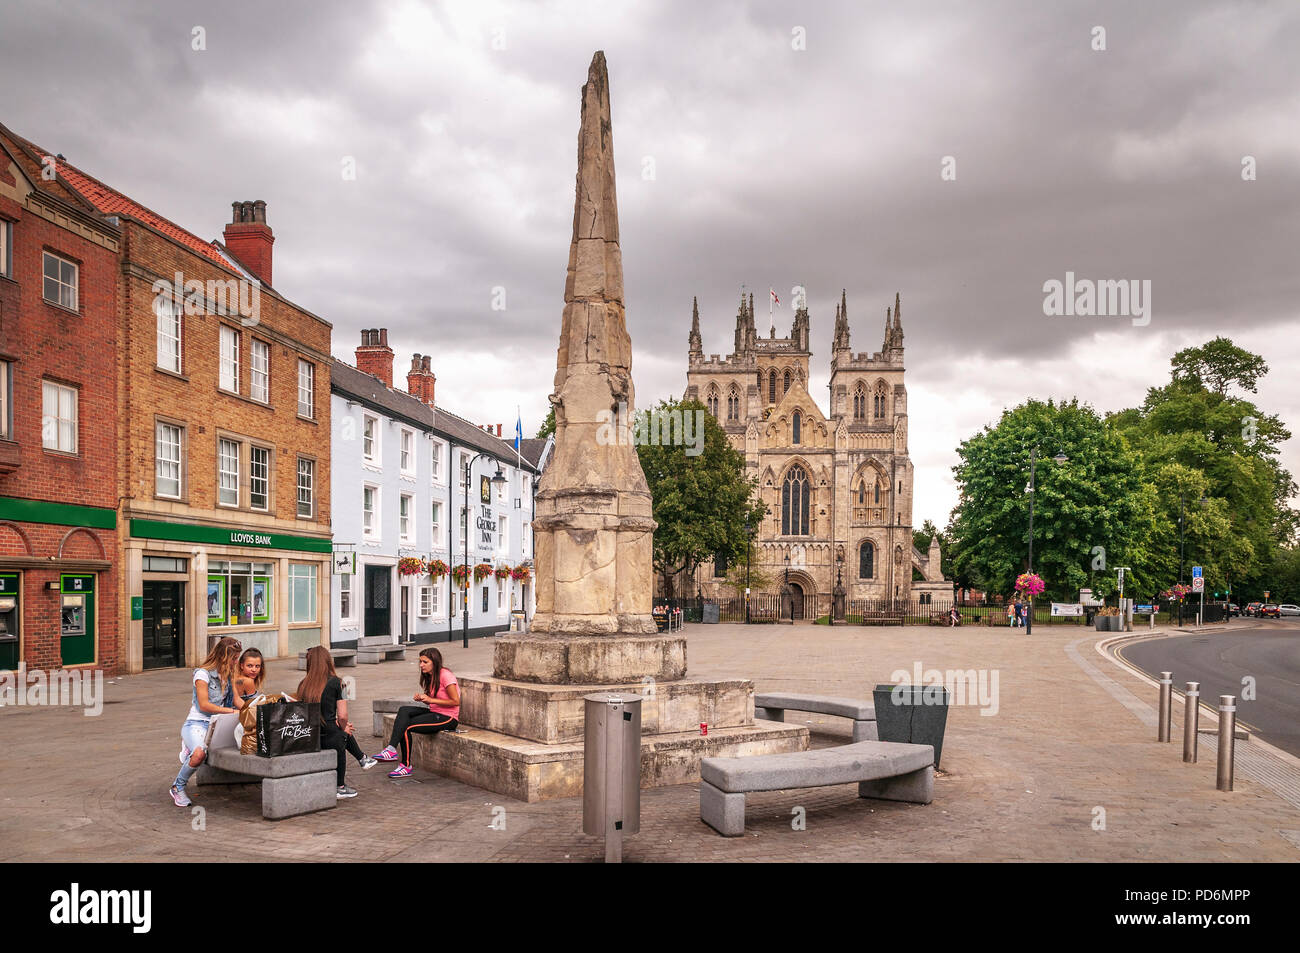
710	613
913	714
611	778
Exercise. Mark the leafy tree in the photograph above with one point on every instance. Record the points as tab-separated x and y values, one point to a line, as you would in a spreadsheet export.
548	425
701	501
1217	364
1096	499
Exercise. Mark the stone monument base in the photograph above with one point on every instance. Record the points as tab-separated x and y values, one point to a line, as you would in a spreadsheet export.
589	660
532	771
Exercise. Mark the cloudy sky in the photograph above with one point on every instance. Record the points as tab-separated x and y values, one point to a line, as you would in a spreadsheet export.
758	144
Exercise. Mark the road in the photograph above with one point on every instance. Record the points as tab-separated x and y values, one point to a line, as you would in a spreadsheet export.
1267	650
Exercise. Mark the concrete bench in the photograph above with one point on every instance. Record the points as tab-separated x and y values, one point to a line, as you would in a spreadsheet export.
291	784
882	769
343	658
375	649
772	706
386	706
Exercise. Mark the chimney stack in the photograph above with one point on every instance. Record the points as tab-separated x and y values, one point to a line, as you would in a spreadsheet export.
249	238
420	379
374	356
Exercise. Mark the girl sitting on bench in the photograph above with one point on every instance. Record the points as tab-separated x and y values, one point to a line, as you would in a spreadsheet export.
440	692
323	686
210	696
252	672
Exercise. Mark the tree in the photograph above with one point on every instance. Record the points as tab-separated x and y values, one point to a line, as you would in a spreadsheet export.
1217	364
701	501
1091	513
548	425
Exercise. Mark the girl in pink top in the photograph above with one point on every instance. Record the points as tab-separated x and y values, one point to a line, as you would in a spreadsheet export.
440	711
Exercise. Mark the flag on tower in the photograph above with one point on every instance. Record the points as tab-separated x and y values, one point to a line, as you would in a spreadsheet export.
774	297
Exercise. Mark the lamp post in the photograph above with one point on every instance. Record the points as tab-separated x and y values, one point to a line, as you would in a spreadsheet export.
749	544
1033	485
1182	513
497	480
786	602
837	597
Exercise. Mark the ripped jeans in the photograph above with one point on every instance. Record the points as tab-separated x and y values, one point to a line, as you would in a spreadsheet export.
193	736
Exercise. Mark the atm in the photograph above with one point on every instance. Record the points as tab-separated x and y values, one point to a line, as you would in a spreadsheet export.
9	618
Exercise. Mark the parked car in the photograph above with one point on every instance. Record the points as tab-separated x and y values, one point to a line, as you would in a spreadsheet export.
1288	609
1254	608
1233	609
1271	612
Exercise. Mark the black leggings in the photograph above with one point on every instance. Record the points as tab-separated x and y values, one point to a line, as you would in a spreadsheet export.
416	718
332	736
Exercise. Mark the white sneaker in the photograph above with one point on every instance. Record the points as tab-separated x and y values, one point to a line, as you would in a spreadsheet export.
345	791
367	763
182	799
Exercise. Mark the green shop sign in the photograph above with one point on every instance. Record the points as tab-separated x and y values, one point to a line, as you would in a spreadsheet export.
61	514
215	536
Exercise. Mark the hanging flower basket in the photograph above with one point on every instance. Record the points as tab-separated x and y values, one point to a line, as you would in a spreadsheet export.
437	568
482	571
1030	584
502	572
410	566
1176	593
460	574
521	573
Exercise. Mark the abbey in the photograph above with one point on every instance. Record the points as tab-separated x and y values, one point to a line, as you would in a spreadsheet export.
838	485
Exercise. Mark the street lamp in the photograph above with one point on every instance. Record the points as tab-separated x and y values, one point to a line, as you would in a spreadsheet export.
749	544
786	601
1033	484
497	481
837	597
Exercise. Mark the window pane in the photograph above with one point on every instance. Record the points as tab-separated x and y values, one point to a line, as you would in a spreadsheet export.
228	465
259	481
169	460
306	388
302	593
259	379
306	479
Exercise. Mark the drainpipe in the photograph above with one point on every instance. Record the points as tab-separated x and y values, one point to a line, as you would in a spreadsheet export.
451	508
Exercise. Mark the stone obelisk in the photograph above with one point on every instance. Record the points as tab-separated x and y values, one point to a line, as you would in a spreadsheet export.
522	727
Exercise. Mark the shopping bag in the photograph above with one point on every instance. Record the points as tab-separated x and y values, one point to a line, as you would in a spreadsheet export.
288	728
246	733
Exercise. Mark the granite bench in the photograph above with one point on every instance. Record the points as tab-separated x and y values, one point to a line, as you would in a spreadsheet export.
371	650
772	706
343	658
386	706
884	770
291	784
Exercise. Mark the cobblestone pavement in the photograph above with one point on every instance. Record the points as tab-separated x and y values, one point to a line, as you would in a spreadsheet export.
1025	783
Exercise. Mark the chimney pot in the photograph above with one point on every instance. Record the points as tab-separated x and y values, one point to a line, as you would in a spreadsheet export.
375	356
425	364
249	238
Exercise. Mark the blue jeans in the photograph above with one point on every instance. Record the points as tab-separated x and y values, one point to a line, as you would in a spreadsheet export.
193	735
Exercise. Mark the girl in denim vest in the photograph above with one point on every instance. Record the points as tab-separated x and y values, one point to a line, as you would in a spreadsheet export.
212	695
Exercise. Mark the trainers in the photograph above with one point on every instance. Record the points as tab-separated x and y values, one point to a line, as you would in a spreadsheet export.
180	797
368	762
345	791
388	754
402	771
185	754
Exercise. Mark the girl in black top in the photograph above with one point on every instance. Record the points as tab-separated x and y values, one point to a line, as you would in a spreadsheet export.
323	685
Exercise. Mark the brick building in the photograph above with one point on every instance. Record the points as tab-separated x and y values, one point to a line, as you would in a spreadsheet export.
59	559
223	397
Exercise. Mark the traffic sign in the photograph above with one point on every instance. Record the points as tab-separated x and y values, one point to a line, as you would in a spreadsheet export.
1196	572
1198	584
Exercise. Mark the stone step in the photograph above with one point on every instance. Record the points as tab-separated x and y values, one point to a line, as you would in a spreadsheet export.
530	771
555	714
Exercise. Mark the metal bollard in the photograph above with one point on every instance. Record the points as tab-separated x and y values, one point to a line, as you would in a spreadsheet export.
1166	706
1191	719
1227	740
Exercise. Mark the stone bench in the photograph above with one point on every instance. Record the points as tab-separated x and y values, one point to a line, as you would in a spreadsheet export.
884	770
772	706
343	658
291	784
375	649
386	706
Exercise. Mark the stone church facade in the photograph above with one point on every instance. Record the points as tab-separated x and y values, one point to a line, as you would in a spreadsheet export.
838	485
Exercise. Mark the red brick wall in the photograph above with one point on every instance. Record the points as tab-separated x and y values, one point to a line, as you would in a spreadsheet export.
80	350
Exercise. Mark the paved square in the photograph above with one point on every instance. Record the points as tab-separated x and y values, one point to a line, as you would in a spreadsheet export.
1019	785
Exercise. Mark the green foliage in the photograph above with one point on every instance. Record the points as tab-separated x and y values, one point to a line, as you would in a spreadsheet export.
1217	364
548	425
701	502
1094	499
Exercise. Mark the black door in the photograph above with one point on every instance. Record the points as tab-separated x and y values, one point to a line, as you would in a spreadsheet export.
378	591
796	601
406	613
164	624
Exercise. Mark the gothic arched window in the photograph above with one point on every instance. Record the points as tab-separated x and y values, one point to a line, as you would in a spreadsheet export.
860	401
786	389
733	404
712	401
771	386
794	502
877	492
866	561
862	493
878	404
795	423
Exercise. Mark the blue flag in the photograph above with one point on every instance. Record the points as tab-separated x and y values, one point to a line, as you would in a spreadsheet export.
519	430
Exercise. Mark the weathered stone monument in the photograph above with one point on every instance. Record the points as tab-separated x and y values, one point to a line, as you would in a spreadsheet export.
593	629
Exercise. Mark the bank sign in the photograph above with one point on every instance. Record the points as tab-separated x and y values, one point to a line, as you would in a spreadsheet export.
249	539
216	536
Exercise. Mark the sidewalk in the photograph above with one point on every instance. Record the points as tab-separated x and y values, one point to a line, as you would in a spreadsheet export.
1023	784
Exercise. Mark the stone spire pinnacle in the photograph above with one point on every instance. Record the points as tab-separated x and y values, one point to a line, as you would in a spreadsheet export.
697	344
898	318
842	323
593	523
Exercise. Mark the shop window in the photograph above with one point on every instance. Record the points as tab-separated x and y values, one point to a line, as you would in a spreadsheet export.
302	592
240	593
